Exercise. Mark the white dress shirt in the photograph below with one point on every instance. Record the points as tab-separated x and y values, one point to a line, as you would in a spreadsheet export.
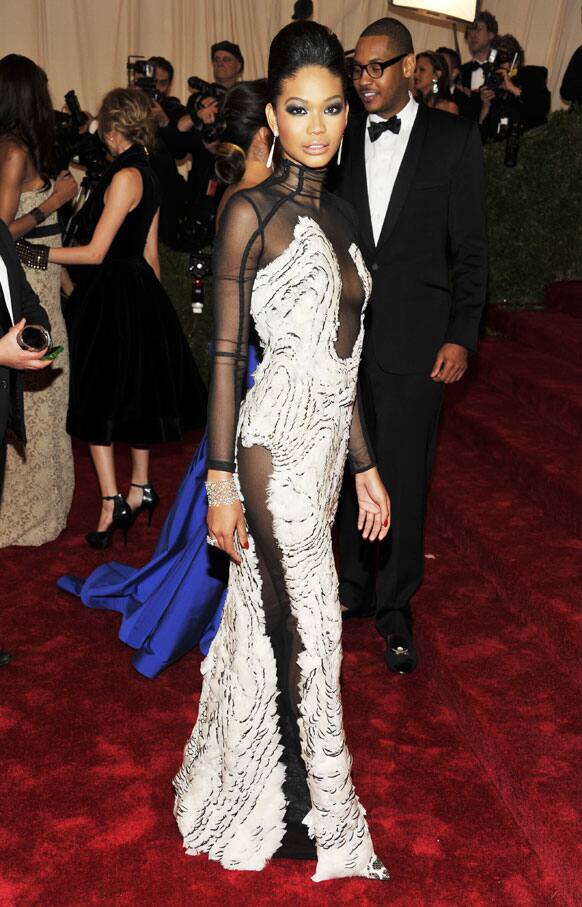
383	160
477	77
6	288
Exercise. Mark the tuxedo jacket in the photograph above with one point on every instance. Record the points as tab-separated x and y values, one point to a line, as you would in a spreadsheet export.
429	268
25	304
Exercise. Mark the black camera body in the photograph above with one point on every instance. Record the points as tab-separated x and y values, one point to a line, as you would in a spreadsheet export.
141	73
85	148
493	79
202	90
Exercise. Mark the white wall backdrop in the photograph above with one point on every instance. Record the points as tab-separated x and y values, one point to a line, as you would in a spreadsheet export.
83	44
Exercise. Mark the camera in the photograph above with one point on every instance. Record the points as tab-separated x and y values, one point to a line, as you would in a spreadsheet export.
201	91
84	148
141	73
493	79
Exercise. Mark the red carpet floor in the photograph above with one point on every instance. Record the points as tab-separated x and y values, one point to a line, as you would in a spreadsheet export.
468	768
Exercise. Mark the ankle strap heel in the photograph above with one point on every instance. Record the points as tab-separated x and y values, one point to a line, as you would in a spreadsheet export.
149	500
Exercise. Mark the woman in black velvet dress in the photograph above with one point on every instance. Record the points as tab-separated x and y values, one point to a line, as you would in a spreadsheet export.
133	378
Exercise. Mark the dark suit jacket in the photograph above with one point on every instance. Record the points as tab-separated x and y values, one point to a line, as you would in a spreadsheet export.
531	109
429	269
471	103
25	304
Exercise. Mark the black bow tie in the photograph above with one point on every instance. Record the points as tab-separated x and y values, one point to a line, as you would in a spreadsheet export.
375	130
476	65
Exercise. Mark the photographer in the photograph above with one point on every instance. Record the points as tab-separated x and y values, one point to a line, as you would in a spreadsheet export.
514	95
155	77
166	108
204	102
29	201
479	36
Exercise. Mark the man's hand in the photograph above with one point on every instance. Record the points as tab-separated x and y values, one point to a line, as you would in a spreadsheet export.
450	364
208	110
13	356
159	114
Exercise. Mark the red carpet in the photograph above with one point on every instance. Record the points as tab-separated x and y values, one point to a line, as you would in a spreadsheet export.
467	768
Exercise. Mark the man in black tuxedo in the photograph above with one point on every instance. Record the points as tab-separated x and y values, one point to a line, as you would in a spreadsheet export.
18	305
415	177
479	37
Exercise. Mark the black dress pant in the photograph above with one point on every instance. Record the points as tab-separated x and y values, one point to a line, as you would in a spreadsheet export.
402	415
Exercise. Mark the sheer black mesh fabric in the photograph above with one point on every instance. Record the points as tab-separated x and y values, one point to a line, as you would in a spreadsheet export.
256	227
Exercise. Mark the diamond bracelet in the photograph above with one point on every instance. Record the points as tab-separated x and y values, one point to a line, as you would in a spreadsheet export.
223	492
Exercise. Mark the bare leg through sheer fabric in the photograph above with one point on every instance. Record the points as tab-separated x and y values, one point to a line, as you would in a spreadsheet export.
282	603
269	748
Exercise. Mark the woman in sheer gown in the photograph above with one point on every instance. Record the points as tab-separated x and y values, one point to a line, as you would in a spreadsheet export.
266	770
174	601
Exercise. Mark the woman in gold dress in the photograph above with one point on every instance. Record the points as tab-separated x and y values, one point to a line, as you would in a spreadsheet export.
39	479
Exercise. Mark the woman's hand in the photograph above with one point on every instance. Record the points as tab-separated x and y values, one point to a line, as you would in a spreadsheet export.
373	504
508	85
65	188
226	519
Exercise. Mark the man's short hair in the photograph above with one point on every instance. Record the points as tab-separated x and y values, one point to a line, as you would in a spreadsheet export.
399	37
164	64
488	20
230	48
451	52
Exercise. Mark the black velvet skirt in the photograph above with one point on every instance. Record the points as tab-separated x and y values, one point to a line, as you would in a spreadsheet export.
133	377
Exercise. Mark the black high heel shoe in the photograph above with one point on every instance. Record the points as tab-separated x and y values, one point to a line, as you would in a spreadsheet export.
149	501
122	519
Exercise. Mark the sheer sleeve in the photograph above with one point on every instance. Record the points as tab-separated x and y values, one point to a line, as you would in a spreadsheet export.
360	453
237	250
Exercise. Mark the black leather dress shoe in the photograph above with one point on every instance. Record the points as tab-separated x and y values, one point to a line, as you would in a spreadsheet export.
400	655
5	657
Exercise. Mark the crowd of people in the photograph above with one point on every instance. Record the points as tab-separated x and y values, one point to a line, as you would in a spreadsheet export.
298	386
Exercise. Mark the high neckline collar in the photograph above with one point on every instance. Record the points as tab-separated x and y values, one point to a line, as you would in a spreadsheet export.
302	180
132	149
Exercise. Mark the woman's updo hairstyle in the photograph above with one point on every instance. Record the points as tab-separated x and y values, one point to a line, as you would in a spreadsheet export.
243	111
128	110
441	71
301	44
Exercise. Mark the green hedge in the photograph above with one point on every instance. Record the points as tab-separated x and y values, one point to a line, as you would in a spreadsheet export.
198	328
534	217
535	211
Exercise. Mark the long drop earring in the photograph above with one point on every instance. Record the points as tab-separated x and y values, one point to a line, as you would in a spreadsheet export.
272	151
435	86
339	152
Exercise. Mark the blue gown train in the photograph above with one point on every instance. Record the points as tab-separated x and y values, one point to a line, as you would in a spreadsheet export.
175	601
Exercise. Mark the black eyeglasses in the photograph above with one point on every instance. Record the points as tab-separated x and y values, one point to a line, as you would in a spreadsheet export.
374	70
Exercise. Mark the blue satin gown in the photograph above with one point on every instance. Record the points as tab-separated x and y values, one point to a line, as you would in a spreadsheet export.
175	601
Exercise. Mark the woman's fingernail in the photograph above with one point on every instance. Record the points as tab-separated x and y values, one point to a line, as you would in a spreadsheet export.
245	544
385	522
